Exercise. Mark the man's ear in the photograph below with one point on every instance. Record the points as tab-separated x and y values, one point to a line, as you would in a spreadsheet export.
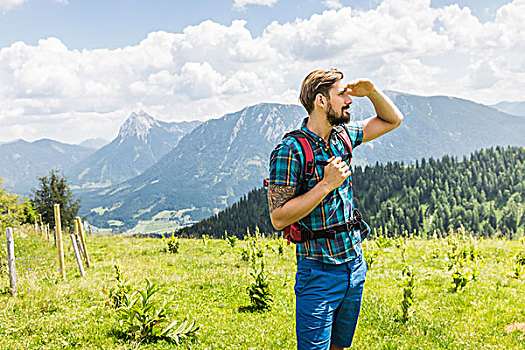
320	100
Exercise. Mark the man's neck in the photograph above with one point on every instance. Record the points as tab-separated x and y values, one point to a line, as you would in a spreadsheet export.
318	124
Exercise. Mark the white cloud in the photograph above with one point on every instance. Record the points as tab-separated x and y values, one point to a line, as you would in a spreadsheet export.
210	69
241	4
333	4
482	74
6	5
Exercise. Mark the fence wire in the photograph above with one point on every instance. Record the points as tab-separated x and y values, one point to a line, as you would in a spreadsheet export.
36	267
37	257
30	239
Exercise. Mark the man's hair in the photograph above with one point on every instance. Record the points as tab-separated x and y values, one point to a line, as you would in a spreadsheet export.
317	82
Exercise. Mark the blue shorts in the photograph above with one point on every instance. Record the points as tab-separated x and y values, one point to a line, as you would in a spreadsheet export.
328	301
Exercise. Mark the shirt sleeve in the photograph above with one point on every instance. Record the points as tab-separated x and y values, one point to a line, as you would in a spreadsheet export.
355	132
285	165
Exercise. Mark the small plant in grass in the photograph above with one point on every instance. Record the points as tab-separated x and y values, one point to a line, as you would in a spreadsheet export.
463	261
383	242
519	263
518	270
254	249
172	244
245	254
520	257
232	240
460	279
408	289
205	239
259	289
280	246
143	318
117	292
370	254
408	294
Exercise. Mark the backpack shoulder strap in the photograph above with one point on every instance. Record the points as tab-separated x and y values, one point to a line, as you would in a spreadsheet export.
343	134
306	148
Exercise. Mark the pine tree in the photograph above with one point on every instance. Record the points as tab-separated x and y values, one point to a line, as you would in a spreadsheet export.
54	189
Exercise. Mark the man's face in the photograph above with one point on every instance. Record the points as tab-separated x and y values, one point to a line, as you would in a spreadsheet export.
337	109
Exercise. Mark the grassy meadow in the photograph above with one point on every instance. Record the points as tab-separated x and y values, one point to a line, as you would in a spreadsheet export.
208	281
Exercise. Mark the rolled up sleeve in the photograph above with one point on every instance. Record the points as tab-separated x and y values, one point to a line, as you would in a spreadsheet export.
285	166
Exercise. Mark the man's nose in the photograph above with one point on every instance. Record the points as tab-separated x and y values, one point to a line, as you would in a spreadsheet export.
349	100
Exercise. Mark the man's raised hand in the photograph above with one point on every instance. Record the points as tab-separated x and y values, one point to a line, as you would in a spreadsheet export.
360	88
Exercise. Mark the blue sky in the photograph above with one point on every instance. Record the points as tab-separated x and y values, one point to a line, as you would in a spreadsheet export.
72	70
95	24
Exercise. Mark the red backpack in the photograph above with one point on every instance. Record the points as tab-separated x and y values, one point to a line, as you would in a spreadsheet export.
296	232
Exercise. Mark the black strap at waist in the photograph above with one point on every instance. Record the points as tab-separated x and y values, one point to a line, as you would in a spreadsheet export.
354	224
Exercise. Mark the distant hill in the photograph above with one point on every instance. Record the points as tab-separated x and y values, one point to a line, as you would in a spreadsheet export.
222	159
94	144
514	108
440	125
141	141
484	193
21	162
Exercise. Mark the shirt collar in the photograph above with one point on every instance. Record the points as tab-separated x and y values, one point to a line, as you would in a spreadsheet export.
314	136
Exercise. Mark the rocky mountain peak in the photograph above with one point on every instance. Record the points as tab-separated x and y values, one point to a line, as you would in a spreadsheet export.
137	125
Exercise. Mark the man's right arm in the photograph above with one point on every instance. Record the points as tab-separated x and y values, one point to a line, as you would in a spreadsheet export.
285	209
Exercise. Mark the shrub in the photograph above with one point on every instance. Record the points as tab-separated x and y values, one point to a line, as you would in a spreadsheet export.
463	261
117	292
230	239
519	263
173	244
370	254
143	318
408	294
259	289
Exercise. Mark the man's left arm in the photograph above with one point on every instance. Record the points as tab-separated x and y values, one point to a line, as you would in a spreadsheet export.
388	117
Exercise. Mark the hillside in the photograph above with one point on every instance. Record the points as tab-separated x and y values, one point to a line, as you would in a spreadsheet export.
221	160
514	108
484	193
22	162
142	140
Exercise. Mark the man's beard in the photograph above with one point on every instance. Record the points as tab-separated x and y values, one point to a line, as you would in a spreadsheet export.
337	119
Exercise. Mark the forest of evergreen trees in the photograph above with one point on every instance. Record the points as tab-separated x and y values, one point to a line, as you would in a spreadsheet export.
484	193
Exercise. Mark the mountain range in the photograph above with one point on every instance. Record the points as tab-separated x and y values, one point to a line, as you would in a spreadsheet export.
94	144
22	162
222	159
514	108
141	141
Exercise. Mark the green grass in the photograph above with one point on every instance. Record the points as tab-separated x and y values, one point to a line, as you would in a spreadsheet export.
149	226
209	283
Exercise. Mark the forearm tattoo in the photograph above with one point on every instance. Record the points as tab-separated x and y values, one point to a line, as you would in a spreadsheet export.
278	195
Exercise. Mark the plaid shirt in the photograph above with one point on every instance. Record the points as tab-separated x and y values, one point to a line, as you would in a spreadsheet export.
286	168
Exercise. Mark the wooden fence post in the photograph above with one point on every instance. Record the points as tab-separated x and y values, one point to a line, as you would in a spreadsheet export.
77	239
58	229
77	254
82	240
47	232
13	289
41	225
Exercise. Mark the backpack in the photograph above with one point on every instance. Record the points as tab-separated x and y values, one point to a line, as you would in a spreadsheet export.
297	233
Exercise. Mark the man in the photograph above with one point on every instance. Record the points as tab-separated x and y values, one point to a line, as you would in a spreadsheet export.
330	271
